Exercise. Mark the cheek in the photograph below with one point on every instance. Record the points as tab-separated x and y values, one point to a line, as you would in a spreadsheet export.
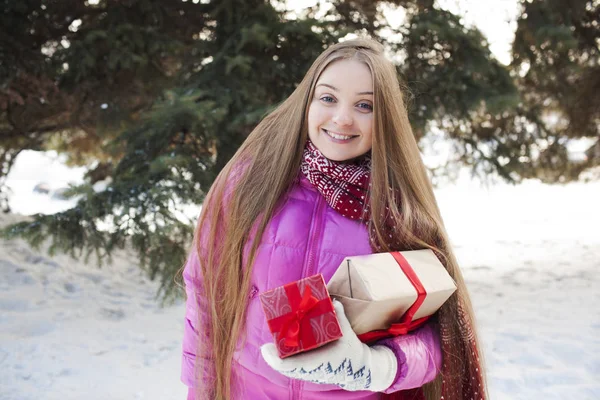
316	115
366	124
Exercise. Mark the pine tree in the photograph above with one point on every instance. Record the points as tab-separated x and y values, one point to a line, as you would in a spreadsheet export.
168	134
159	95
556	59
73	74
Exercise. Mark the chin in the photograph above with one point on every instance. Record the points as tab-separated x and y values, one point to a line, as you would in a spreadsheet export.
338	156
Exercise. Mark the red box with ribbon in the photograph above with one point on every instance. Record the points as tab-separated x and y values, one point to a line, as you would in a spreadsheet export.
300	316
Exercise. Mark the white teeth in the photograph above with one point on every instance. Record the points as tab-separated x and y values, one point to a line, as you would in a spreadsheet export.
336	136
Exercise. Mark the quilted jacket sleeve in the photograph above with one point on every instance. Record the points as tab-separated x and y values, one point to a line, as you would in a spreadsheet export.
419	356
194	309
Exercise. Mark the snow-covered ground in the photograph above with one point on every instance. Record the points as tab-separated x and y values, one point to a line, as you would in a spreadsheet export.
529	253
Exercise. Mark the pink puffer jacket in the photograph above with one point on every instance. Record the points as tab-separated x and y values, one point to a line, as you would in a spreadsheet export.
304	237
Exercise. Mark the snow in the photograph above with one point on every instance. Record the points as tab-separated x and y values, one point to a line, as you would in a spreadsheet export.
72	331
529	254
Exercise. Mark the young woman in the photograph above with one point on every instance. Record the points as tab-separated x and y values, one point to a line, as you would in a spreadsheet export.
334	171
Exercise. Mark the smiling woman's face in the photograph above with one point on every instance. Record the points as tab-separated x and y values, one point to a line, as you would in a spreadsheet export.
340	115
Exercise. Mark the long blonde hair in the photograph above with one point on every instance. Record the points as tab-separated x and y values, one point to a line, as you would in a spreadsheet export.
244	199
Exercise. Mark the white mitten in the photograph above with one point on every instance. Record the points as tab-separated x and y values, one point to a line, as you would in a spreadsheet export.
347	362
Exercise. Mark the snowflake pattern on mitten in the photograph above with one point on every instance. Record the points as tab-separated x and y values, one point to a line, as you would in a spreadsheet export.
346	362
343	375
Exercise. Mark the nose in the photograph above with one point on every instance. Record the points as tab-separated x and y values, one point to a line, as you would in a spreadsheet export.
342	118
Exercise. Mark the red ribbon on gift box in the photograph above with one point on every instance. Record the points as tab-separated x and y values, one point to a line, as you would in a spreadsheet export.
295	326
406	323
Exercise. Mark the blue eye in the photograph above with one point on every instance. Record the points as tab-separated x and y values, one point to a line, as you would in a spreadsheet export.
327	99
366	106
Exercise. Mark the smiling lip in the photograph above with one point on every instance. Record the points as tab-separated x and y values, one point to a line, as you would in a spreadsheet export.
340	135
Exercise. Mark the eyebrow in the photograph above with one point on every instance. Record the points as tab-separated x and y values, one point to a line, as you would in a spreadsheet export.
337	90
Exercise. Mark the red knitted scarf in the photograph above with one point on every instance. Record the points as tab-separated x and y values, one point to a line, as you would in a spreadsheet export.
345	186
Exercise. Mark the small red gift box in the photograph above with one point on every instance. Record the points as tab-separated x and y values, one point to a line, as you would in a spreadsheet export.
300	315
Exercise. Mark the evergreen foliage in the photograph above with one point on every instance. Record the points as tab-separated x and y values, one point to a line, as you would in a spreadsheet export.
556	62
156	96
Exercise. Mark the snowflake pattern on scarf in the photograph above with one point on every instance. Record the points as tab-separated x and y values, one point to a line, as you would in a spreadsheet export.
345	186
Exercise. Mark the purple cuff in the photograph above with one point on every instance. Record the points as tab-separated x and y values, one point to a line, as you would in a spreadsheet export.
419	356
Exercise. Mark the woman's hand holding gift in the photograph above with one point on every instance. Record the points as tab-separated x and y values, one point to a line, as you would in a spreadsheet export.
347	362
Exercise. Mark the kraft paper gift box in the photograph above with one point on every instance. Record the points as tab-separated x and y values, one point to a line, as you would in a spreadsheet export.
389	294
300	316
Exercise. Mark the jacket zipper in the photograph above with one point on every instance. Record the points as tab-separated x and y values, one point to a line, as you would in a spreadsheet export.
313	247
314	243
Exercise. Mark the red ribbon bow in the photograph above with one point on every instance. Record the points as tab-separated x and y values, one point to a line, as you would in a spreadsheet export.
406	323
290	329
295	326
